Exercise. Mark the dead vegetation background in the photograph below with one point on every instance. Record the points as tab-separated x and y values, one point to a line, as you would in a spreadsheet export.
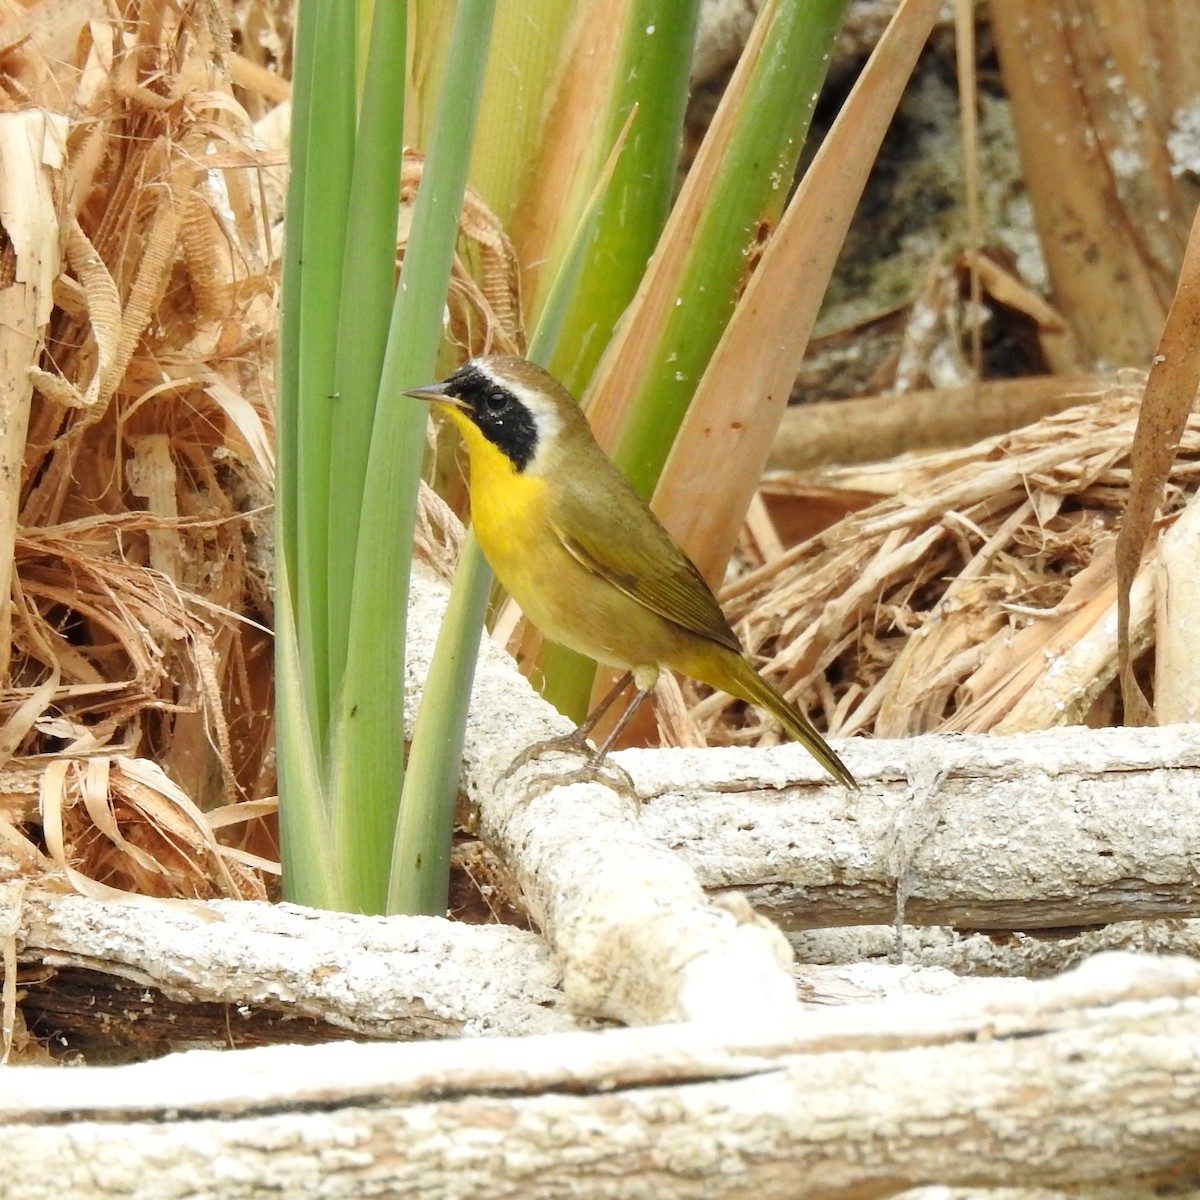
952	583
137	686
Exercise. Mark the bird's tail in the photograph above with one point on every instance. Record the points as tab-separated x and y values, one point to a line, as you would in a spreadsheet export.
737	677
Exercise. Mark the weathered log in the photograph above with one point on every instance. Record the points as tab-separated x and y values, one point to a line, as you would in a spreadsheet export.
1069	827
989	954
1090	1078
232	972
625	918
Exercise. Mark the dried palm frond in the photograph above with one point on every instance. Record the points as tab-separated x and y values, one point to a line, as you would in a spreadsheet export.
977	593
139	592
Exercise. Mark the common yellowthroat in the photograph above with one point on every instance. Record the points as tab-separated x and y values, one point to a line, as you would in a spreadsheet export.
580	550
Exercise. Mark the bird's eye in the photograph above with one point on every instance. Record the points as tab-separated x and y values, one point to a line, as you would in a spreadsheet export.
496	401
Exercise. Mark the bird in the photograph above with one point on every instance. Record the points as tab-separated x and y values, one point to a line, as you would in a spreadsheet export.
582	553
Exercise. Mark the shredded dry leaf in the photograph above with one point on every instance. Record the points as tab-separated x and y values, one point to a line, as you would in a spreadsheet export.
137	692
978	592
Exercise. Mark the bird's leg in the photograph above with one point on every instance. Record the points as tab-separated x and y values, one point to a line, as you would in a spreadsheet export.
577	739
585	727
639	698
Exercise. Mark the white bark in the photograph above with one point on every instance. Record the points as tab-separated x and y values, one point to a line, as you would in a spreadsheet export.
1092	1078
394	977
947	950
1068	827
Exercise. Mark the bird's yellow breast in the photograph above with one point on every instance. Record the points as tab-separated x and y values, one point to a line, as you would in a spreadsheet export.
508	507
517	517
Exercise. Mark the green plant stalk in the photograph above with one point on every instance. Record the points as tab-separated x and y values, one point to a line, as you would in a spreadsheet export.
366	31
325	191
420	873
368	737
368	286
747	195
653	73
431	30
303	825
723	444
419	881
311	271
650	74
287	381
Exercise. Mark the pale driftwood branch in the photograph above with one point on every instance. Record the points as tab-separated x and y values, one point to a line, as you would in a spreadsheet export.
625	918
877	428
286	974
1067	827
395	977
1093	1077
825	955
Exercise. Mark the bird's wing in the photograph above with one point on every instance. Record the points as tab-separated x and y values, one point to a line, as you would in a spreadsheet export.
641	560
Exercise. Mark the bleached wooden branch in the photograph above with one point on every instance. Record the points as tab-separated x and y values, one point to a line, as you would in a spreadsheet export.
395	977
1061	828
233	974
827	956
1093	1077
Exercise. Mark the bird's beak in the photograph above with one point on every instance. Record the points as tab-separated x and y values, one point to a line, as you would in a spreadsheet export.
435	393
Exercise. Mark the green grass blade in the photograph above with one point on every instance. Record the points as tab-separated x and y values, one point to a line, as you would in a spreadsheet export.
527	40
322	128
736	189
324	192
734	193
420	874
368	286
420	868
652	77
722	448
368	761
303	825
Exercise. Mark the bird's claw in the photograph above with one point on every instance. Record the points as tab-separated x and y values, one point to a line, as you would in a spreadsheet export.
597	768
565	744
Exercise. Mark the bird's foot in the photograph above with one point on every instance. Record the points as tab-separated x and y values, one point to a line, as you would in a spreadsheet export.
596	769
569	743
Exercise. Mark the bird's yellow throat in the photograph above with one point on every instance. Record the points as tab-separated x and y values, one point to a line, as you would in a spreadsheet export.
505	502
